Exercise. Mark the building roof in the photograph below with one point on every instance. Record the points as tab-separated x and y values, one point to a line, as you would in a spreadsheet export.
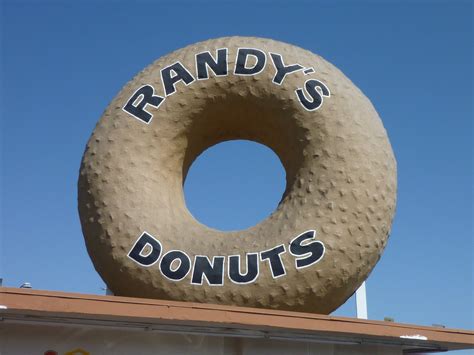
36	306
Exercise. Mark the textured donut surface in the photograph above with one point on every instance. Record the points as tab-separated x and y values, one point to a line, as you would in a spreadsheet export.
331	225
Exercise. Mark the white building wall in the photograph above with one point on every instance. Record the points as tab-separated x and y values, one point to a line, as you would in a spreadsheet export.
21	339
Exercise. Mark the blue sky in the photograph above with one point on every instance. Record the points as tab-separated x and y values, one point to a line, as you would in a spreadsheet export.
63	63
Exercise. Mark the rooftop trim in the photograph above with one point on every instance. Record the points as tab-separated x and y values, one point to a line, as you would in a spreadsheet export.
32	306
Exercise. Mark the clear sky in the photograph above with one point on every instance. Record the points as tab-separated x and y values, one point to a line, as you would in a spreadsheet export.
63	63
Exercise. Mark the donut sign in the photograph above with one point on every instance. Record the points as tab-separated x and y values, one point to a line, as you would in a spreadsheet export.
334	218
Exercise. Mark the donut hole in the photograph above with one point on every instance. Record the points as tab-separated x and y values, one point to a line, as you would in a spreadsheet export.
234	185
241	114
245	116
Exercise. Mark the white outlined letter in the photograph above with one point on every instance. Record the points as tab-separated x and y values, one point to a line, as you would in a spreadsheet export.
252	270
281	69
316	90
241	61
136	105
274	258
212	272
180	74
177	273
308	253
136	252
205	60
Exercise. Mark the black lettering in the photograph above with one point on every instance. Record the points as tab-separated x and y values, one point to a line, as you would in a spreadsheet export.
181	271
309	253
273	256
140	245
242	56
146	96
205	59
252	268
282	70
214	273
180	73
316	95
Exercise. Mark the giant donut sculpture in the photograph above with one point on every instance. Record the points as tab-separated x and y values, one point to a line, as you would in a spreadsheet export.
333	220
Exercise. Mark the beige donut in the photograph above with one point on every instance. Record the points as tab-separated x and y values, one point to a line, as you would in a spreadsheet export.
334	218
